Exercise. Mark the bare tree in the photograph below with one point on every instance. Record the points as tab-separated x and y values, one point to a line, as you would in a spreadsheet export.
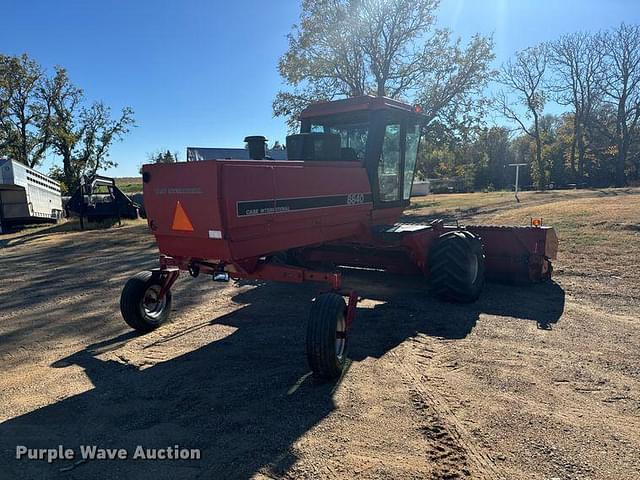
578	73
620	49
524	77
385	35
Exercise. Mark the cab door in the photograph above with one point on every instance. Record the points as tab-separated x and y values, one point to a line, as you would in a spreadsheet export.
392	159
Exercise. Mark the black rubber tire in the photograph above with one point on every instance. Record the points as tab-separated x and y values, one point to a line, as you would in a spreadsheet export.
451	267
131	303
327	312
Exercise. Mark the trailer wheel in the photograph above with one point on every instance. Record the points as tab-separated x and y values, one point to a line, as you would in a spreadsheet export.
139	303
456	267
327	335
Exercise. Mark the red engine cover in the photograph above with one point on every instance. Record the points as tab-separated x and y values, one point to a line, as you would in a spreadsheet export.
240	209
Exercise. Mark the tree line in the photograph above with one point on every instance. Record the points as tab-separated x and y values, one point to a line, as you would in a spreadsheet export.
44	114
344	48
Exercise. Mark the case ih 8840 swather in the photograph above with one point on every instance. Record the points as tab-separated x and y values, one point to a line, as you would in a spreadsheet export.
336	201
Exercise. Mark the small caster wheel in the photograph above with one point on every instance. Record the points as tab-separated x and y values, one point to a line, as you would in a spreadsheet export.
140	304
327	335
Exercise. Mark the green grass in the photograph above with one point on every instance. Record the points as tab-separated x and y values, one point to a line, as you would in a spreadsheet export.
461	200
129	184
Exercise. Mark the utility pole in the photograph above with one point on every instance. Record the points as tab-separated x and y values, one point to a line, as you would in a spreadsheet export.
517	165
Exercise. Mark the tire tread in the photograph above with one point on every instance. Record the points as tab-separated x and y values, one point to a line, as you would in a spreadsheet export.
321	332
135	287
448	268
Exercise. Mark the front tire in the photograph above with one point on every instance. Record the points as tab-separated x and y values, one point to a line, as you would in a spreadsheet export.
456	267
327	335
139	303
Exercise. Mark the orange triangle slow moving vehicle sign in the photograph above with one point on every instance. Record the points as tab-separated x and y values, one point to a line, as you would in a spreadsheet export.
181	221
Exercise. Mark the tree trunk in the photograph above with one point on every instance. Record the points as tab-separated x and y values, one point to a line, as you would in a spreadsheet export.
581	153
620	161
69	179
23	145
381	89
621	143
541	176
573	147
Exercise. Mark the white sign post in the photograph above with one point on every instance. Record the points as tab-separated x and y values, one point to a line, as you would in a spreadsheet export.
517	165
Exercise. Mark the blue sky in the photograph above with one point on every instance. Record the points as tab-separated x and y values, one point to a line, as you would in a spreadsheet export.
203	73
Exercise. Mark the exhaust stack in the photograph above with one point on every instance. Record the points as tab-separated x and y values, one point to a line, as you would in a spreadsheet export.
257	147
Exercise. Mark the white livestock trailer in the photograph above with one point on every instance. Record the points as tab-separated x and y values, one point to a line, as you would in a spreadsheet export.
27	196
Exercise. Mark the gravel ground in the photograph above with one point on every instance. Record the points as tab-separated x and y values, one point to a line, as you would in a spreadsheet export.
532	383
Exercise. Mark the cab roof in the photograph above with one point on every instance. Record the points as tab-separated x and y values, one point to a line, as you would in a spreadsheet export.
355	104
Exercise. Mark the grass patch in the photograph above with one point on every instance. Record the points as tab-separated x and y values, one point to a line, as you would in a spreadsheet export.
129	184
586	221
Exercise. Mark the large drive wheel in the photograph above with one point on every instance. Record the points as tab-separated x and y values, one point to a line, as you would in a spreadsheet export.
327	335
456	267
139	303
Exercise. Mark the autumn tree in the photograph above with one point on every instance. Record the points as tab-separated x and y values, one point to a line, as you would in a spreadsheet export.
347	48
524	101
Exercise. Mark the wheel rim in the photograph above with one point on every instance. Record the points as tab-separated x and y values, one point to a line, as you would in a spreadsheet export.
152	305
473	268
341	336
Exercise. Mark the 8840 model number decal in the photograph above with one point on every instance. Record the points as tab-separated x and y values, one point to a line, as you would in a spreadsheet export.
281	205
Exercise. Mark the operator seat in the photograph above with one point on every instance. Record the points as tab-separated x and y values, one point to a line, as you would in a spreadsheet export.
348	154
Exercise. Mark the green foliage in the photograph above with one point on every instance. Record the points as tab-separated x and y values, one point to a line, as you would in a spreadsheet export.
57	174
82	134
475	163
42	114
25	108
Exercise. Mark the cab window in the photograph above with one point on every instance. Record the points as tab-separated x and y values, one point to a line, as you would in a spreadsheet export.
353	139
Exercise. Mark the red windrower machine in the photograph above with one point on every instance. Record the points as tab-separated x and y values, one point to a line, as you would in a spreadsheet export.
334	203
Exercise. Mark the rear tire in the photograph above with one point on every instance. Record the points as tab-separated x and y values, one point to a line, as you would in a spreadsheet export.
139	302
456	267
327	335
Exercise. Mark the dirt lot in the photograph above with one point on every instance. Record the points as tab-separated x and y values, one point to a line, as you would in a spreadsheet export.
531	383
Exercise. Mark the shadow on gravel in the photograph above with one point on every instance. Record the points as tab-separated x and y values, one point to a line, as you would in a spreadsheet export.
32	232
243	400
407	310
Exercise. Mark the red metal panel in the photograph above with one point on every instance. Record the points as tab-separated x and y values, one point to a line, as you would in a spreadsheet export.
239	201
519	254
195	186
317	180
245	181
300	183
